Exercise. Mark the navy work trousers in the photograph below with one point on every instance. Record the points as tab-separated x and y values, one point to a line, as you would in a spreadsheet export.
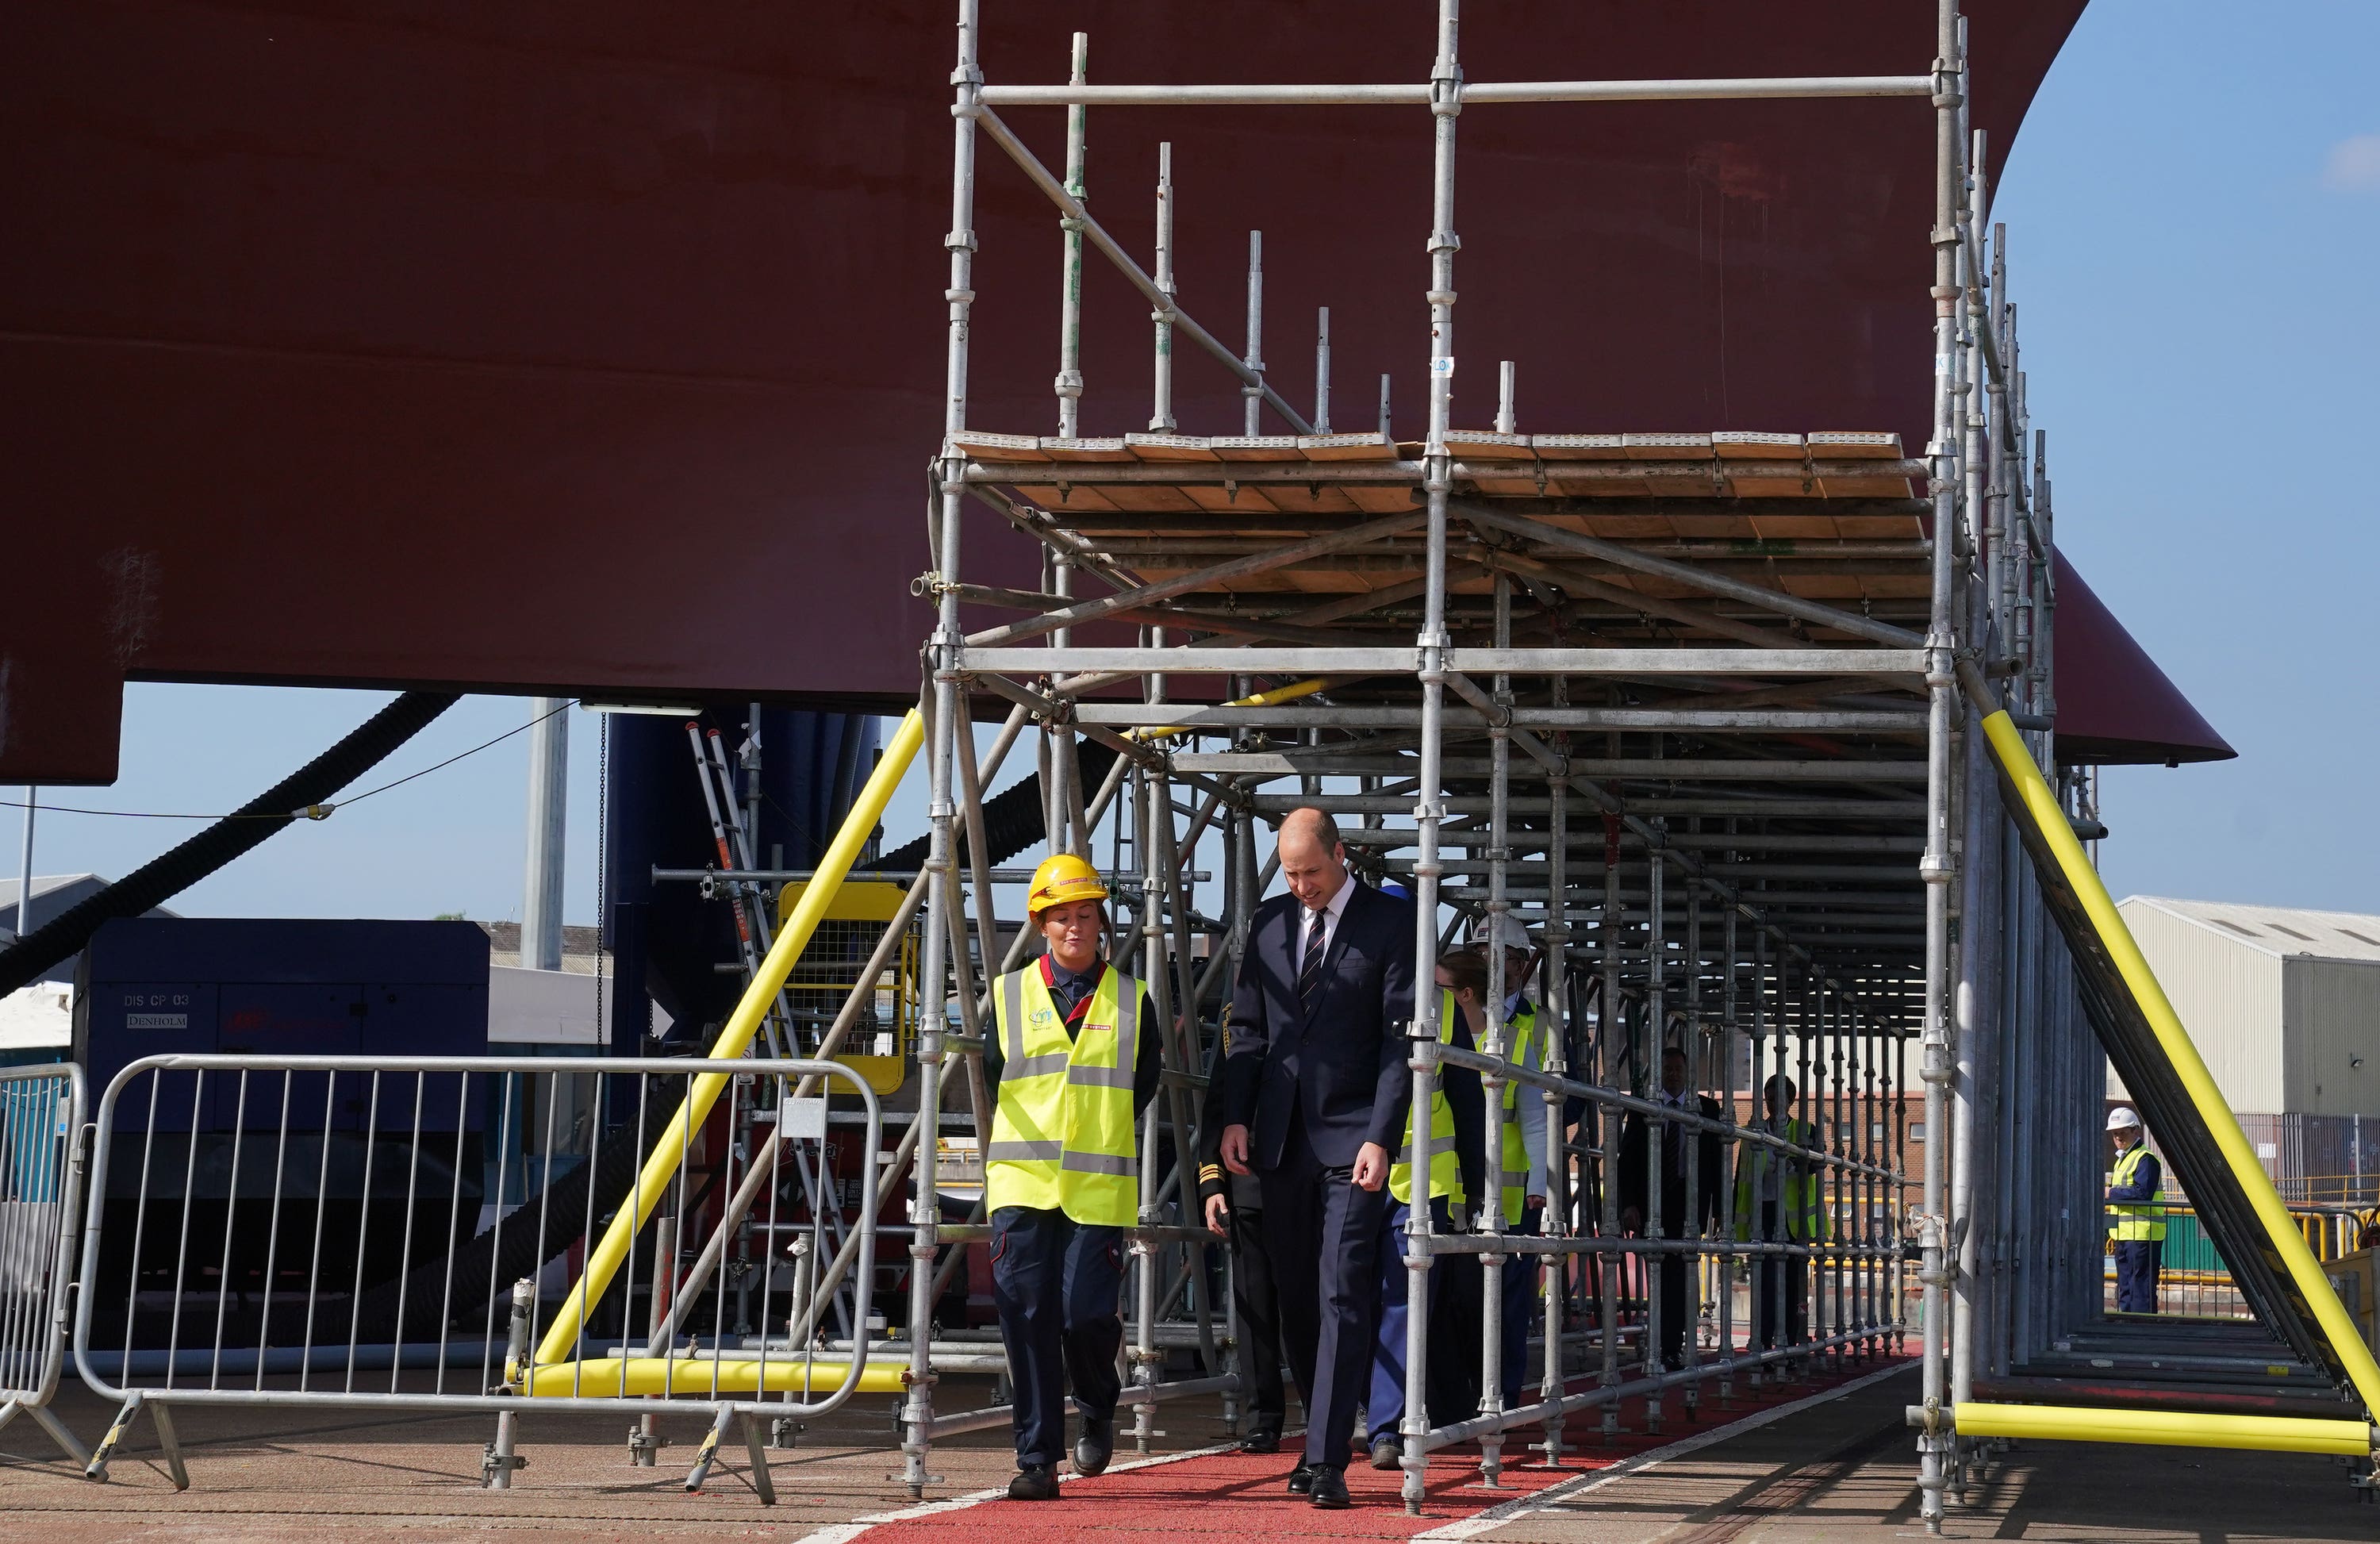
1523	1276
2138	1263
1781	1288
1384	1409
1055	1282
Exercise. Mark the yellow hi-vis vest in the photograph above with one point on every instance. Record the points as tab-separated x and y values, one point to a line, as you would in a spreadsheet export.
1797	1187
1445	1164
1516	1152
2144	1222
1062	1136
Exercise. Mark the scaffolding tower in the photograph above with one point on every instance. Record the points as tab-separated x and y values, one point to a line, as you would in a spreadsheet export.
1685	703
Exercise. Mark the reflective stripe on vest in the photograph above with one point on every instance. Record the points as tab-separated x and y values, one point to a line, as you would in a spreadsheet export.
1517	1173
1445	1164
1062	1138
2141	1224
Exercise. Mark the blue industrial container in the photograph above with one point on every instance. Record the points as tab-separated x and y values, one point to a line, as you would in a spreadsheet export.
281	987
329	1166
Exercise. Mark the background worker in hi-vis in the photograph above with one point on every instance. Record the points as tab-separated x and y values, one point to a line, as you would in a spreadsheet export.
2135	1214
1071	1062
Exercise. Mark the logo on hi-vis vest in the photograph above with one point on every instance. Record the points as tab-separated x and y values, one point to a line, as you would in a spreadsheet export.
1043	1015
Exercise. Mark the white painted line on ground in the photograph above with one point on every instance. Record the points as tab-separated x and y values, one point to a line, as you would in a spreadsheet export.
842	1533
1538	1500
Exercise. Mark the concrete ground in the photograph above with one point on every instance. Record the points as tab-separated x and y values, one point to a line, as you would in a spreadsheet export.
1830	1468
275	1476
1845	1469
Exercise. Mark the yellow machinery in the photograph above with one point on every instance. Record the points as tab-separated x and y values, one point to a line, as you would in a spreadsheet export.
849	928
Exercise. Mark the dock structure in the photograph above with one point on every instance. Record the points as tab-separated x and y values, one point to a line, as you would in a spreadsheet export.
1753	734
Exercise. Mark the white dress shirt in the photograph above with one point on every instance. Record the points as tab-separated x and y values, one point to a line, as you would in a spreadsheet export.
1332	909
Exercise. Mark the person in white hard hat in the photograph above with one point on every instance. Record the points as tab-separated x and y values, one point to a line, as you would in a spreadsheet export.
2135	1214
1522	1157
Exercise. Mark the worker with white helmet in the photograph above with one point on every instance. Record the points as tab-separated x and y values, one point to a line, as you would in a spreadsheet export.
1072	1061
2135	1215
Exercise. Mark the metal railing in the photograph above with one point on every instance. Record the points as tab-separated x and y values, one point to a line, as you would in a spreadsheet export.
393	1233
40	1183
2194	1282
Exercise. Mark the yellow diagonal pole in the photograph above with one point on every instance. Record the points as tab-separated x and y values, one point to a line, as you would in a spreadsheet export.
2041	802
604	1262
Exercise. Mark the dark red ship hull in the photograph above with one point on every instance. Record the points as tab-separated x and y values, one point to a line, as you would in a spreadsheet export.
598	347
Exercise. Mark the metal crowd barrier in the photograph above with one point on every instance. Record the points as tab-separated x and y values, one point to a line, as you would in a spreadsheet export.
41	1186
393	1233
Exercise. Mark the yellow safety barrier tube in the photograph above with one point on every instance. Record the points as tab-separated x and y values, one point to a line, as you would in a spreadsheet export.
735	1038
1274	697
690	1376
2288	1243
2165	1429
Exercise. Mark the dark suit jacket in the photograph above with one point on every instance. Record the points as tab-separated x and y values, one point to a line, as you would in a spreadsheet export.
1636	1160
1341	1068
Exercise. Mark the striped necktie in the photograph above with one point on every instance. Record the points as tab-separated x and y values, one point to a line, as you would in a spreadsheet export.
1309	969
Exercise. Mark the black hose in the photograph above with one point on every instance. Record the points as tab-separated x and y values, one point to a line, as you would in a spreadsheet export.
161	879
1012	820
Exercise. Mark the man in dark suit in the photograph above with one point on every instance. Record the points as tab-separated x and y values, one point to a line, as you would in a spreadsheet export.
1315	1091
1233	1208
1636	1158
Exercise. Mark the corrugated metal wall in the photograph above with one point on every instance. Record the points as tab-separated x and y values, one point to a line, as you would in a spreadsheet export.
2331	1020
2229	997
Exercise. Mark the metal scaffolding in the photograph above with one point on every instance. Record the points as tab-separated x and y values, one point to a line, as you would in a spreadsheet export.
1683	704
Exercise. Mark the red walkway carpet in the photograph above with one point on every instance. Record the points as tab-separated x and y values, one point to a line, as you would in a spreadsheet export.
1227	1494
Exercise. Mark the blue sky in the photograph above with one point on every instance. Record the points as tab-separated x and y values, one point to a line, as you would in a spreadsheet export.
2193	204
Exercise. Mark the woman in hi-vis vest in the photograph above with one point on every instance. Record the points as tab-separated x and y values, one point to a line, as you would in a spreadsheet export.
1071	1063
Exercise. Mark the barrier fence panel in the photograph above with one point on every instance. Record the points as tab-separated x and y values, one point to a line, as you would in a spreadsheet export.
40	1184
397	1234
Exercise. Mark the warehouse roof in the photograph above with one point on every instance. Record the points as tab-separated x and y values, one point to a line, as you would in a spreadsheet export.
2337	935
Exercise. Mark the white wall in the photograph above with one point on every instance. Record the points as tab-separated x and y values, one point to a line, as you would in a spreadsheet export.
38	1017
2332	1017
2228	995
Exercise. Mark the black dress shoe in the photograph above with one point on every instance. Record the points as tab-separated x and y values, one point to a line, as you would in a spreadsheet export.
1034	1482
1301	1480
1093	1448
1260	1442
1330	1491
1386	1453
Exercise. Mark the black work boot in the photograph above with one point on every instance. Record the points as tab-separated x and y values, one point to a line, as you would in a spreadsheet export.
1386	1453
1034	1482
1095	1445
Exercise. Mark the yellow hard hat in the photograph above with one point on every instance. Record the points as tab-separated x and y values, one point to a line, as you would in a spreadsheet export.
1062	880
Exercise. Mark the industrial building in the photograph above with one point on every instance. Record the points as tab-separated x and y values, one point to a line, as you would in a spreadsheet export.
2285	1005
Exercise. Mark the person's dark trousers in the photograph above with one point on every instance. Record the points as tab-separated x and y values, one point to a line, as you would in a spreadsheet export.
1256	1297
1781	1288
1522	1275
1328	1281
1386	1407
1055	1282
2138	1262
1677	1316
